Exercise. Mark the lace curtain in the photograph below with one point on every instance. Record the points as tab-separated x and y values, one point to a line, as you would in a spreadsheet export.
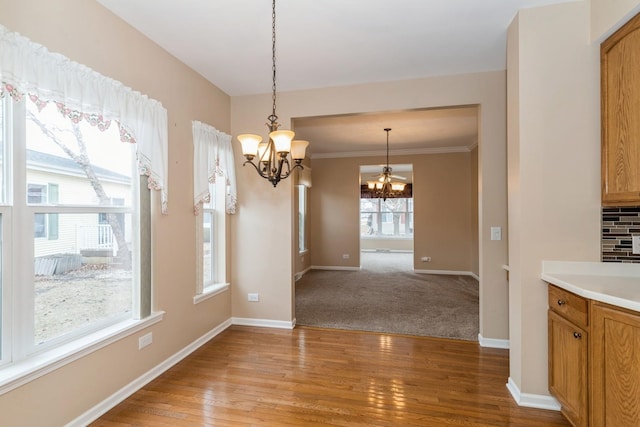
27	68
212	156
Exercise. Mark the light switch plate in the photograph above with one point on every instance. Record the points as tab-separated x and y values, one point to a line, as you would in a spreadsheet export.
496	233
635	244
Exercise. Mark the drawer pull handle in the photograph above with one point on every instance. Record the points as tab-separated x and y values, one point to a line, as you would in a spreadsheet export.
561	302
577	335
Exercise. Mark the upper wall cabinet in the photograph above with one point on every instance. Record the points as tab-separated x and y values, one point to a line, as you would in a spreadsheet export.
620	74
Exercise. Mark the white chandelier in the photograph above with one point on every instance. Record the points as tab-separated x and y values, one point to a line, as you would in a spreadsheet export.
273	156
384	187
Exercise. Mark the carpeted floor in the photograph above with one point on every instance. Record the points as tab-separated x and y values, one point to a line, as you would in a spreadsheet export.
386	296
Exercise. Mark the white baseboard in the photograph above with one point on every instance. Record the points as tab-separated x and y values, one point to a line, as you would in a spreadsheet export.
385	250
263	323
492	342
532	400
448	272
328	267
299	274
126	391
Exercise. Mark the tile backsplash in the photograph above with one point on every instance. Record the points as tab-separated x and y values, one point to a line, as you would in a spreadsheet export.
618	225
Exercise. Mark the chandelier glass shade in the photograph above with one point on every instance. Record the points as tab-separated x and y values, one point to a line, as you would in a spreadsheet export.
384	187
272	156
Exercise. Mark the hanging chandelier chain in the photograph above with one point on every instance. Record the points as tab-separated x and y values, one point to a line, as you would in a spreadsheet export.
270	158
273	118
387	130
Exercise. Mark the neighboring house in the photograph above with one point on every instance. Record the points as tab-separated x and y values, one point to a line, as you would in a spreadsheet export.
55	180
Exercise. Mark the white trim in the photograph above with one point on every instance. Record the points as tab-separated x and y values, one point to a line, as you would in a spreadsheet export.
448	272
411	151
211	291
126	391
492	342
17	374
330	267
263	323
528	400
299	275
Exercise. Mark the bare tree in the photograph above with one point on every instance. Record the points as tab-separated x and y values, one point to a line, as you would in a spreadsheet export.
81	157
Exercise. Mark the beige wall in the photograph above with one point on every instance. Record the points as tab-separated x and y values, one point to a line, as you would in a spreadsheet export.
442	210
262	229
609	15
554	169
87	33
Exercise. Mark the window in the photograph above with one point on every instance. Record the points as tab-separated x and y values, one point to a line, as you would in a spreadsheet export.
214	197
212	239
76	274
386	218
302	218
72	275
44	225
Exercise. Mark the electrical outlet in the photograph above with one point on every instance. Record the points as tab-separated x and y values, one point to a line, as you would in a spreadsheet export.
145	340
253	297
425	259
635	244
345	256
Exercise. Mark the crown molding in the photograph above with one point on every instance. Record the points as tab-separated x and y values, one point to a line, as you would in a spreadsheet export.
436	150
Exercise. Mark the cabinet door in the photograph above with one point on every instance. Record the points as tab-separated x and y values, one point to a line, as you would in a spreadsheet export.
615	367
568	349
620	105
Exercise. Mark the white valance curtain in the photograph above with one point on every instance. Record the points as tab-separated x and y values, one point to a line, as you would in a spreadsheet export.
212	156
29	68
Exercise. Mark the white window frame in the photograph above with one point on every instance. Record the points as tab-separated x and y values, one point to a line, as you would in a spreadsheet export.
21	360
218	283
379	213
302	214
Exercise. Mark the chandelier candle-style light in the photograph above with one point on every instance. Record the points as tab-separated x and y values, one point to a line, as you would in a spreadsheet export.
273	156
384	187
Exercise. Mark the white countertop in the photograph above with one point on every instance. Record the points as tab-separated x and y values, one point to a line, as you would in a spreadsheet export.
612	283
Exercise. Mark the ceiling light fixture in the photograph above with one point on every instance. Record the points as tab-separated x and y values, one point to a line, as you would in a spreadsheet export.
384	187
273	156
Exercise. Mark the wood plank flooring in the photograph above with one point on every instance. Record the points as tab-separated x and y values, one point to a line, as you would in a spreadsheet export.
320	377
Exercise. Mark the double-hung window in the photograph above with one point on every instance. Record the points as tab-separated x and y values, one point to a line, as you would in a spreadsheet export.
73	213
64	177
214	197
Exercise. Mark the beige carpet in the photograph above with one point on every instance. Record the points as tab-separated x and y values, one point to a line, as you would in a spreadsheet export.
386	296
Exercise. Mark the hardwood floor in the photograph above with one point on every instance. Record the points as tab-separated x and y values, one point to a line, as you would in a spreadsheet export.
318	377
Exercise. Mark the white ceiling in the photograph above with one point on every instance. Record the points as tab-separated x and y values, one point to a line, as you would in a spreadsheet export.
325	43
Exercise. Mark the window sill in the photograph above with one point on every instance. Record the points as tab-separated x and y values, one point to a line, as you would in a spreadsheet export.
17	374
211	291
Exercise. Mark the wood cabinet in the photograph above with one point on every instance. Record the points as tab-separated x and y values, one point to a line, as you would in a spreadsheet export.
620	113
568	354
615	366
594	360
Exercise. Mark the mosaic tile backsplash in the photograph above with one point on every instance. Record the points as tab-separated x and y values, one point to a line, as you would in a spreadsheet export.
618	225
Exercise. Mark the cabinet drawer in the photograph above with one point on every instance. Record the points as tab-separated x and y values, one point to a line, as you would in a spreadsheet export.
570	306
